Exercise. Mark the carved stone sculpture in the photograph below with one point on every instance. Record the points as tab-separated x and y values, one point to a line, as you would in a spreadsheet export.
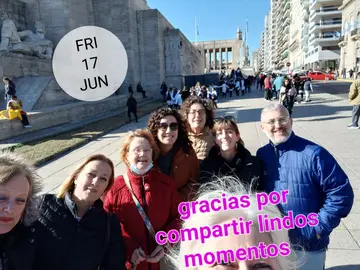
40	46
25	42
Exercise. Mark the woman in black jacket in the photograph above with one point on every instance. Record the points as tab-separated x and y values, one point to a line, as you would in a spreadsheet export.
229	157
19	187
74	231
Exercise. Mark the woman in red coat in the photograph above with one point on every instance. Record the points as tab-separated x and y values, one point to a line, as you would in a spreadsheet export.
143	193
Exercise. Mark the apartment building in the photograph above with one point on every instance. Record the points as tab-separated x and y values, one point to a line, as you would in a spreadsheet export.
255	57
283	21
297	28
350	38
262	52
325	23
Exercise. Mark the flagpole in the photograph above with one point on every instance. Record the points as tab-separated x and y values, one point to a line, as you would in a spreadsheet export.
195	30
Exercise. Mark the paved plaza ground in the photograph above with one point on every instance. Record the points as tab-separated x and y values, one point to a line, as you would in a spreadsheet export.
323	121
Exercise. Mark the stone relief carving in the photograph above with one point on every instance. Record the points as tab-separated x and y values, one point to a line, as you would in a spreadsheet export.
173	62
25	42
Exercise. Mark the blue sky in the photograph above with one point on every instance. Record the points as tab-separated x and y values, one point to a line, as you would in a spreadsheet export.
216	19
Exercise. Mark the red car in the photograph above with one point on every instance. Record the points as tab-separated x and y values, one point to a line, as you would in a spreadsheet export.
320	76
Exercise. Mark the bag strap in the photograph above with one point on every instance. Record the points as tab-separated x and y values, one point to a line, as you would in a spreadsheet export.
139	207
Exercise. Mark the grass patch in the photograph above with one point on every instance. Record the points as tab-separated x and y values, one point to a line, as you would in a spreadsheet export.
46	149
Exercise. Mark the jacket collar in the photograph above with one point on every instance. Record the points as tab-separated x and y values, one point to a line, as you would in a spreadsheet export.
71	205
286	145
241	155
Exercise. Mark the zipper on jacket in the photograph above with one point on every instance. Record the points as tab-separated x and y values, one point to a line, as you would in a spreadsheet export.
276	152
145	210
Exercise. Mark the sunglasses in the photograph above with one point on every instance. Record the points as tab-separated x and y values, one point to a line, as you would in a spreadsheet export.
225	117
165	126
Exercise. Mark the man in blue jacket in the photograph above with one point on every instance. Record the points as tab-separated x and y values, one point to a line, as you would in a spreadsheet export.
315	181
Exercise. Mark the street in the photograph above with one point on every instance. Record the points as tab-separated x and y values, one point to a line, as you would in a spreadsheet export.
336	88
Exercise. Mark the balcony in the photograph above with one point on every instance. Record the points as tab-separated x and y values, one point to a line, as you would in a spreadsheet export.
323	12
342	41
319	55
305	14
326	25
317	4
294	45
325	39
355	34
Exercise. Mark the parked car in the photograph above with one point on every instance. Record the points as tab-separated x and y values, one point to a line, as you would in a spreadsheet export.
303	76
320	76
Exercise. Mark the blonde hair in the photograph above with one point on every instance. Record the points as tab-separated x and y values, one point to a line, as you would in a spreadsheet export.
11	165
139	133
229	186
69	185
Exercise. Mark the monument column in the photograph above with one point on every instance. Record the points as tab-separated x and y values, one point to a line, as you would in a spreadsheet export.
220	57
227	58
214	57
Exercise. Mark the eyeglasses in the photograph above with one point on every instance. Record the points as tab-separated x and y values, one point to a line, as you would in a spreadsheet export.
173	126
224	118
281	121
200	112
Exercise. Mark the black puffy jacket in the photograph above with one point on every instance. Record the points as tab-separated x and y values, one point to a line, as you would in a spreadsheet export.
17	248
245	167
63	242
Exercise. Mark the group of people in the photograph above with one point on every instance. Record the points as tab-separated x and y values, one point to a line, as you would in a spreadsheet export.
98	220
14	105
287	90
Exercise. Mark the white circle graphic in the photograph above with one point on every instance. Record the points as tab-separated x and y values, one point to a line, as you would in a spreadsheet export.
90	63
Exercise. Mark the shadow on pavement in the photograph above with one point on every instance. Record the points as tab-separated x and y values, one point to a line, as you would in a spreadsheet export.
345	267
253	115
322	119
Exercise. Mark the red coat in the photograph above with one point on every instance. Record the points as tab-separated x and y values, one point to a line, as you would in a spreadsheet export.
160	204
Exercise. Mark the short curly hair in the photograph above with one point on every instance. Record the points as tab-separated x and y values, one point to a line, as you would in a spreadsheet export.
185	109
138	133
182	141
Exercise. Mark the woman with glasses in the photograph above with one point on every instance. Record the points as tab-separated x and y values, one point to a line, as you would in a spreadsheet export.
229	157
177	157
145	200
199	117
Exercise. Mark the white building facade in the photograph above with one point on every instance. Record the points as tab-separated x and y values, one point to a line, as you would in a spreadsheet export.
350	38
325	23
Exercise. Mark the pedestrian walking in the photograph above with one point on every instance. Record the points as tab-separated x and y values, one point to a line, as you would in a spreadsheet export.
354	97
10	88
132	107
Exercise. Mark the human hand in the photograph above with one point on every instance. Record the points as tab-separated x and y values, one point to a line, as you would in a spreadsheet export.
157	255
138	256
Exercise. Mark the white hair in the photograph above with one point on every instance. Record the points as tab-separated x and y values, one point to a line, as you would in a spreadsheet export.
229	186
274	107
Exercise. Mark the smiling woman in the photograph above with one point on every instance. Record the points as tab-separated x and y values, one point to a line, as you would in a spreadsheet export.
74	230
143	197
177	157
199	118
19	186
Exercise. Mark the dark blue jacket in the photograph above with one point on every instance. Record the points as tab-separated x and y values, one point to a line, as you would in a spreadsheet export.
316	184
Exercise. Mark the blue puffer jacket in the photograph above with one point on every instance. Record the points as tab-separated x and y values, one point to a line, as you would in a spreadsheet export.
316	184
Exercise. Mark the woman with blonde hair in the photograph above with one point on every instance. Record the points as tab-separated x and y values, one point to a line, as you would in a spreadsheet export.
19	187
74	231
244	244
230	157
145	200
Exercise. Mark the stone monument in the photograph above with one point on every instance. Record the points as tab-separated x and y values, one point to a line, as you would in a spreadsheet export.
25	42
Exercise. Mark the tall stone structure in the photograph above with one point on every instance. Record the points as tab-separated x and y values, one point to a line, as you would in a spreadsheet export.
156	50
225	54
